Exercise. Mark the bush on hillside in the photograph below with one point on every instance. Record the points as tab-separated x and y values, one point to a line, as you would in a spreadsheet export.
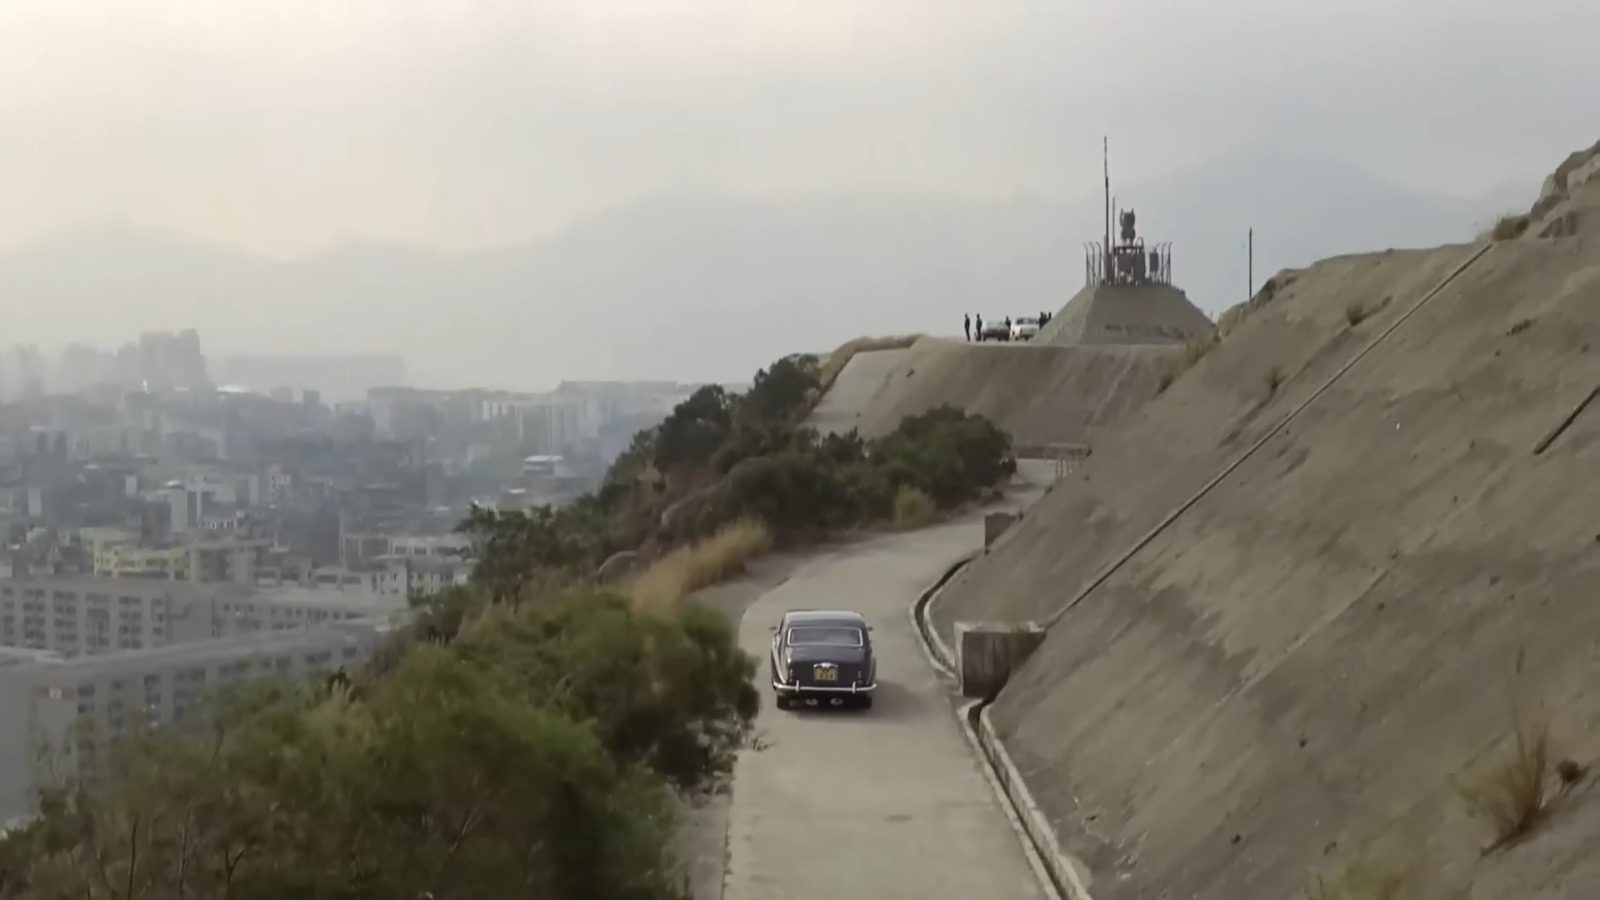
696	429
817	484
778	397
667	689
535	755
522	550
795	491
950	455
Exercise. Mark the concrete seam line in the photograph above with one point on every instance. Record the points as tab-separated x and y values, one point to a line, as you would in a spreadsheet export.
1272	432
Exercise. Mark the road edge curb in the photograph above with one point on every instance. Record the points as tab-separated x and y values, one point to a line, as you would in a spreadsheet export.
1054	871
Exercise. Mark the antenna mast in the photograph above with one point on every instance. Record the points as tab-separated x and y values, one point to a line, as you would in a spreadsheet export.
1105	151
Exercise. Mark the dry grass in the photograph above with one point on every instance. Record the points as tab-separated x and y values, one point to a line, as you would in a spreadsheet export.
1274	379
913	508
1358	883
1390	866
1513	794
1368	878
1507	228
668	580
1356	312
829	371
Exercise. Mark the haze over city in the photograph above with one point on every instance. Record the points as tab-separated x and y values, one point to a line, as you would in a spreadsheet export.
511	193
759	449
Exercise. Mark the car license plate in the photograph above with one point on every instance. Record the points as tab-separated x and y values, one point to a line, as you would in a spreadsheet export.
826	673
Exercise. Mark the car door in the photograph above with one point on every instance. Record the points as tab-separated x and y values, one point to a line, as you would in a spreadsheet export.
776	653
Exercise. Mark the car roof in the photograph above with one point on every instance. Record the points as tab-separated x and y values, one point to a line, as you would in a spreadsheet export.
824	617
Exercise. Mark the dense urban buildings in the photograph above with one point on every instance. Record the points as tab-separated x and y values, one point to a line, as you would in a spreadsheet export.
165	531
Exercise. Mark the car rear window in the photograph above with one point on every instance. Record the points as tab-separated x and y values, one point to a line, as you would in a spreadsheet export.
826	635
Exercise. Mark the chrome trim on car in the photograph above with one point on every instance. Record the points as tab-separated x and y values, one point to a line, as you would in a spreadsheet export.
785	688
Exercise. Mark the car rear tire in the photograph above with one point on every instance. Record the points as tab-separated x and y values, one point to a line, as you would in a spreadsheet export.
864	701
780	701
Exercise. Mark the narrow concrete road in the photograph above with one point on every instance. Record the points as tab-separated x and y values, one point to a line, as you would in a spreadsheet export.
886	803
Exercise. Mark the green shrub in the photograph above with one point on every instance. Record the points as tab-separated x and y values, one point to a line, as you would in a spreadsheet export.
780	393
694	432
534	756
947	454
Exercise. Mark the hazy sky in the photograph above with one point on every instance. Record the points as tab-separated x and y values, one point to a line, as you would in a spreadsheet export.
290	125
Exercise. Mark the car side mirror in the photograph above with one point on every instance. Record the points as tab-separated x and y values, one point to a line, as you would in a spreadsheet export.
774	629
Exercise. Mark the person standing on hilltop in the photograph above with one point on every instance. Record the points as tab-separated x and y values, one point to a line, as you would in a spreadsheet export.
966	325
979	324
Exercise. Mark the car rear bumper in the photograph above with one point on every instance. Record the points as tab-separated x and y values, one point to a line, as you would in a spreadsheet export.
796	690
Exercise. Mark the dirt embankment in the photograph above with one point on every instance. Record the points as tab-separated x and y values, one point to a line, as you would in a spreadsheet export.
1300	671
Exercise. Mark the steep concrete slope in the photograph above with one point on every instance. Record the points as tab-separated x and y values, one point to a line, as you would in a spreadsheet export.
861	379
1040	394
1303	659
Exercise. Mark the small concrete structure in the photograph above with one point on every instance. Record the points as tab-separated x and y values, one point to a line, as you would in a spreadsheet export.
988	652
995	524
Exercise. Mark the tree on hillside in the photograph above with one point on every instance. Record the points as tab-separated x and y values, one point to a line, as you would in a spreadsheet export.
535	755
517	550
946	453
688	437
672	693
630	472
780	395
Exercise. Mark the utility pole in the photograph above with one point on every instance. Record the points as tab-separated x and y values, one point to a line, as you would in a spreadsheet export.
1105	151
1250	265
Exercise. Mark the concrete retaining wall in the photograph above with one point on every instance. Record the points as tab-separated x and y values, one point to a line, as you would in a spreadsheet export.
995	524
988	652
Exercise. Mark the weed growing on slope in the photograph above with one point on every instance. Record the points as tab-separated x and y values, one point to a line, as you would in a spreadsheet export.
1507	228
1274	379
1359	310
1512	795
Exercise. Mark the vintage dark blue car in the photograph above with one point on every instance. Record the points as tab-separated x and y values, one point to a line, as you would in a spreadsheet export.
823	656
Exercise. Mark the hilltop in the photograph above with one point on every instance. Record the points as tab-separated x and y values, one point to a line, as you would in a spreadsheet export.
1303	603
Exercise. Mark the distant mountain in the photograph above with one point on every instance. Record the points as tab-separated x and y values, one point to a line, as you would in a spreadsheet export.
707	287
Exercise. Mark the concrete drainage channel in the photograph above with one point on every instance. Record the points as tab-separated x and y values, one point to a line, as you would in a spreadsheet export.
1056	873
